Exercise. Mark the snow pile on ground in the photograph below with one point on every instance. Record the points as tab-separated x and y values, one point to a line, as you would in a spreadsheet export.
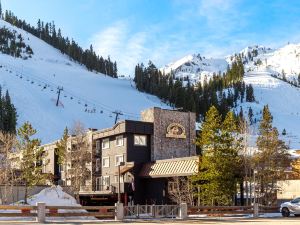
53	196
87	96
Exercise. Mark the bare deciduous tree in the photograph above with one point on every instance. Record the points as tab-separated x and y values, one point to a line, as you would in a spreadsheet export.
78	158
180	189
7	177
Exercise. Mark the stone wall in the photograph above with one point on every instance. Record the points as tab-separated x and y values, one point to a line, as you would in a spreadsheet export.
167	143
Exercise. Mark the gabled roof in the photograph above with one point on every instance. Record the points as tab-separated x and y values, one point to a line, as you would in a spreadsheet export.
176	167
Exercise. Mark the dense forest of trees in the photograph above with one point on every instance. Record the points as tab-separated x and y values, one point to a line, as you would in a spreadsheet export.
13	44
225	162
8	114
222	91
48	33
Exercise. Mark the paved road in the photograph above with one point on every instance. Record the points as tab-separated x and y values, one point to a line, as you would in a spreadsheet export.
223	221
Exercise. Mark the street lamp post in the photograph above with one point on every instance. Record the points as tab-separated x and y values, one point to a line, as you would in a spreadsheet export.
119	181
254	172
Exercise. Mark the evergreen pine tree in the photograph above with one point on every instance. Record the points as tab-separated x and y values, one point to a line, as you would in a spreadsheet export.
61	148
32	160
271	159
0	10
218	166
284	132
250	115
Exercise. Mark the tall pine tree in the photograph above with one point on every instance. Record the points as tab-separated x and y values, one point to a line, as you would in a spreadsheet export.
218	167
271	159
32	158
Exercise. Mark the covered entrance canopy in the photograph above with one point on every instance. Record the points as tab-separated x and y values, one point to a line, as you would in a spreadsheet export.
176	167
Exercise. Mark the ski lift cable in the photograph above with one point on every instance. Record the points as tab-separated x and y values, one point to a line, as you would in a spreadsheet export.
84	99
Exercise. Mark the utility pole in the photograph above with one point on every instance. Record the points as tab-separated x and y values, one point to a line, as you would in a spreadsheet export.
59	89
118	113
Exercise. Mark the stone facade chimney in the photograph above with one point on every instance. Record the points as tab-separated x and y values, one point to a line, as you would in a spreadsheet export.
174	133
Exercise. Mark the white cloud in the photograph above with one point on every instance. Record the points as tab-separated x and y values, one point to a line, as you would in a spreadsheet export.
121	45
110	40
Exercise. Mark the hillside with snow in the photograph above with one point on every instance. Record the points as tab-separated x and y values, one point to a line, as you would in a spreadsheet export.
283	101
273	73
86	96
283	63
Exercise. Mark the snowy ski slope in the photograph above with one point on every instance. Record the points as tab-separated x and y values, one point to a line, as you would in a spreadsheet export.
283	101
87	97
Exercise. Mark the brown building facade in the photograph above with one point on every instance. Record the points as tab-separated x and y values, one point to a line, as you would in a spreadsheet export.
160	135
173	133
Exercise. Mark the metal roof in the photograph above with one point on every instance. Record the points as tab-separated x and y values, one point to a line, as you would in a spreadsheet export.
176	167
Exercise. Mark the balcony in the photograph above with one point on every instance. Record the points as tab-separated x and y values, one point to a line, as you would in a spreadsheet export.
105	189
100	189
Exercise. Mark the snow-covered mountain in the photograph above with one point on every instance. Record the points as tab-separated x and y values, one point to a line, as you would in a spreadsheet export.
87	97
268	71
196	67
283	62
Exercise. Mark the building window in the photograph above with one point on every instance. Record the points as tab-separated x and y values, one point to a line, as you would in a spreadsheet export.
119	141
119	159
98	146
105	162
97	165
98	183
140	140
105	143
105	183
117	179
60	168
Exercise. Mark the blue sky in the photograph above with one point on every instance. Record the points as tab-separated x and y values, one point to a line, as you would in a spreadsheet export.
133	31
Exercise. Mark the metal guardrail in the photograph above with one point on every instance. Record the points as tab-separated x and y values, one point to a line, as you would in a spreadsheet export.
151	211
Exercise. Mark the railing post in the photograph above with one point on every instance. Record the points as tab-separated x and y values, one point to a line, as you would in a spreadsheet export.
255	210
183	211
153	211
119	211
41	212
137	211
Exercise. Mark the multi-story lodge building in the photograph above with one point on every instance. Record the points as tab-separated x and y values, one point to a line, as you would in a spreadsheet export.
143	153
